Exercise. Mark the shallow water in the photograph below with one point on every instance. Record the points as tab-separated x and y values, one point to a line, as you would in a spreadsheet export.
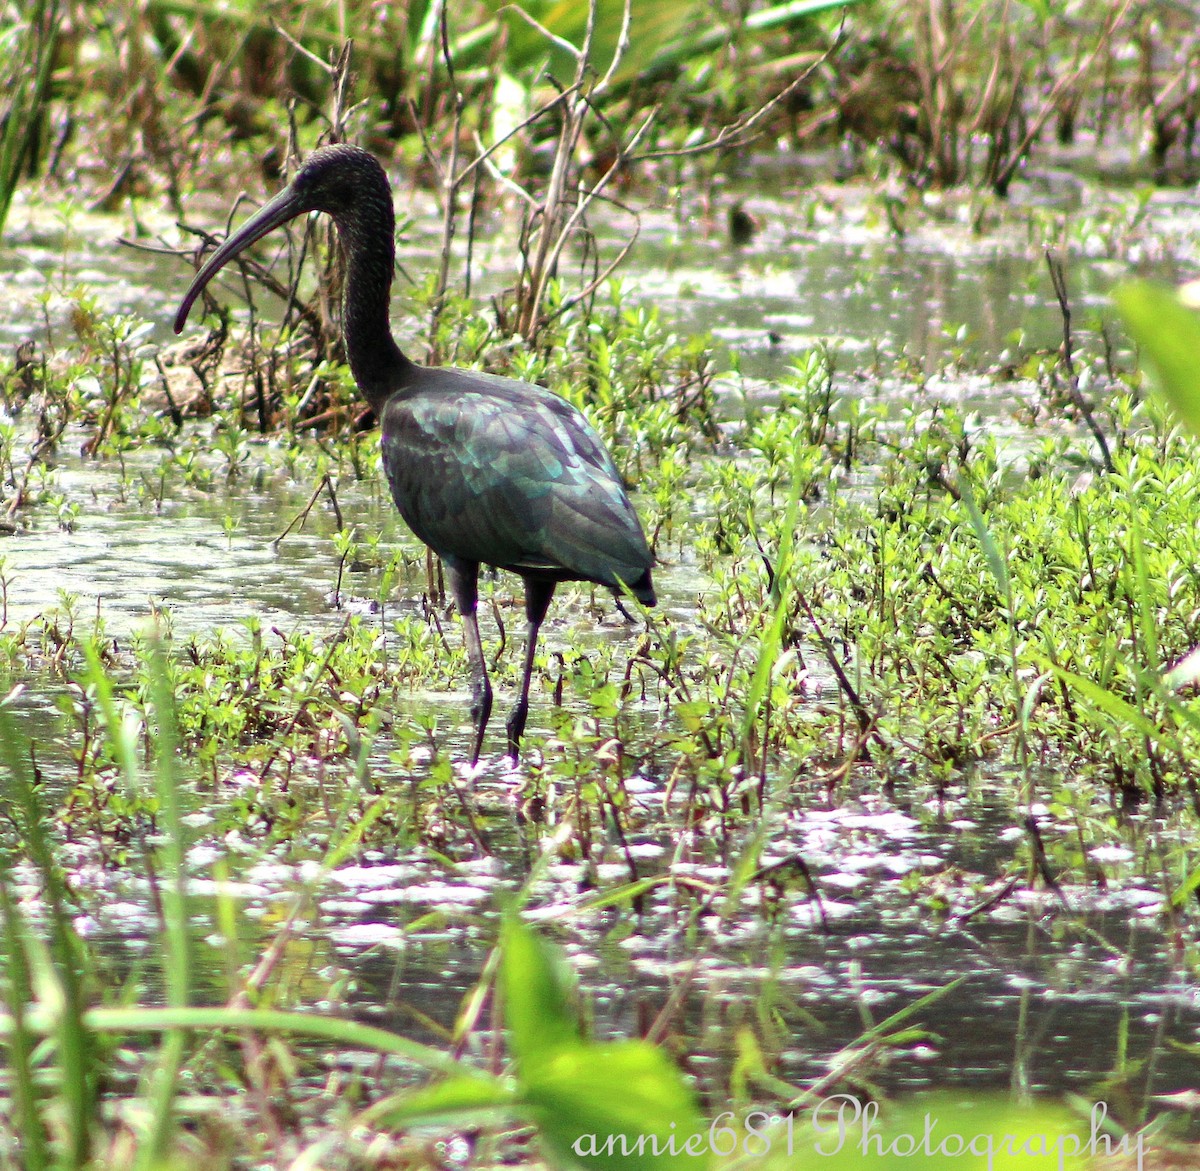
129	558
1050	984
825	264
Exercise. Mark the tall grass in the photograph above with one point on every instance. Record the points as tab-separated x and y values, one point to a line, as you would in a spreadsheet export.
27	50
57	964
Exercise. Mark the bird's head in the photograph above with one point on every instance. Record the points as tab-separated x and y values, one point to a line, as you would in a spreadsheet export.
345	181
336	179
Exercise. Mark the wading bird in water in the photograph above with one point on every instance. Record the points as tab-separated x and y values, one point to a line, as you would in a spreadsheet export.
485	470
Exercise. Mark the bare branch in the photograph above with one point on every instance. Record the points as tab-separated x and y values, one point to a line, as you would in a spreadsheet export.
739	132
491	150
622	47
565	45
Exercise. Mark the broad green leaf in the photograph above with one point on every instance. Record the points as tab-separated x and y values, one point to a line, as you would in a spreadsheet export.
1168	334
662	36
653	26
538	989
622	1106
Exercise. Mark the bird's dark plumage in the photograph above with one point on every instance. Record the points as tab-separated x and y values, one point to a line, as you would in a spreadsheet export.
485	470
494	470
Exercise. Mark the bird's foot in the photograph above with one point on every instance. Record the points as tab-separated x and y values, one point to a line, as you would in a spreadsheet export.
481	712
624	613
515	727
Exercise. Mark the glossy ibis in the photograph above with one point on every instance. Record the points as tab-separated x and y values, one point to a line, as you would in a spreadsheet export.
485	470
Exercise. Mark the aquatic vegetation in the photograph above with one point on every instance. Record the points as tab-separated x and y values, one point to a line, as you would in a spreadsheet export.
52	986
923	683
892	613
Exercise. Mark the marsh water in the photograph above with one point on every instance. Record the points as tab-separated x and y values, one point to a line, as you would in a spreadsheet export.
1074	989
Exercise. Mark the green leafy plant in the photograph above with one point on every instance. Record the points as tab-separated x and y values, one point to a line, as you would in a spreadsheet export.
609	1105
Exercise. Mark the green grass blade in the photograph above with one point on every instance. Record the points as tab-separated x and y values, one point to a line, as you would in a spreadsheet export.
1143	593
991	551
1183	893
450	1101
998	566
19	995
78	1086
123	736
884	1027
771	642
347	1033
176	916
793	10
27	84
166	784
1112	705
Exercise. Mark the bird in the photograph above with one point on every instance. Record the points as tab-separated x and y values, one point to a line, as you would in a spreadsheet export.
484	469
743	225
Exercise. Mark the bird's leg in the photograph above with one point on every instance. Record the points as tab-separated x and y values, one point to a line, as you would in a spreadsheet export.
537	602
464	584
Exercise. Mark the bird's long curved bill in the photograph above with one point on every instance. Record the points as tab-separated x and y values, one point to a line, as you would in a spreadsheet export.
285	206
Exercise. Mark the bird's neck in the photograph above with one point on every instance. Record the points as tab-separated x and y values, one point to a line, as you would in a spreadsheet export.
377	363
